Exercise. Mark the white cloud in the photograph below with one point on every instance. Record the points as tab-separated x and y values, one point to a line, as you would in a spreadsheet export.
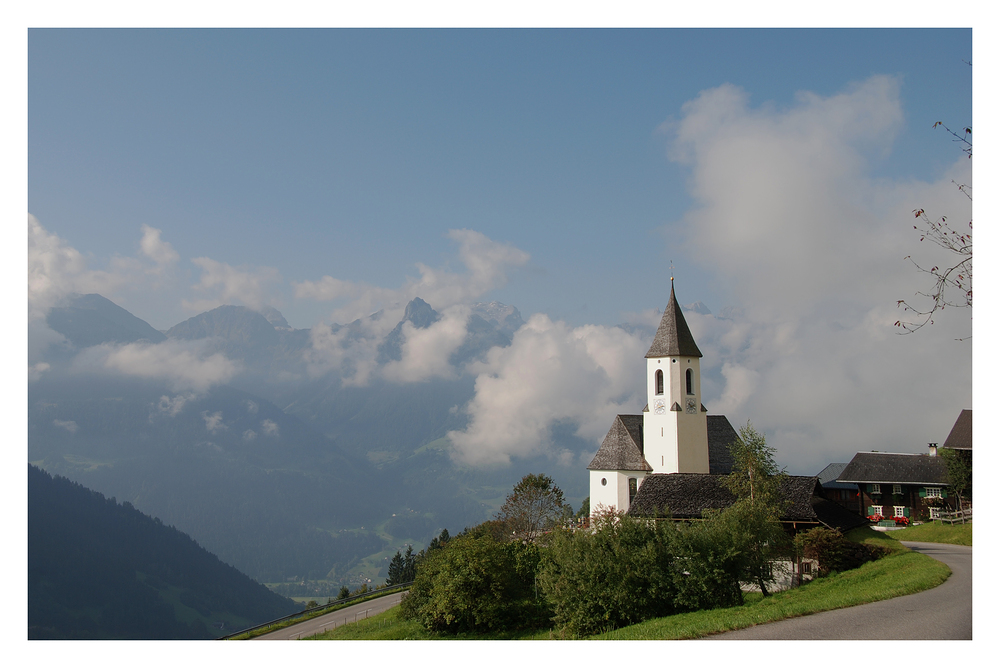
56	269
226	284
213	422
35	371
550	374
184	365
486	262
156	249
787	215
343	352
269	427
68	425
249	435
425	352
251	406
171	406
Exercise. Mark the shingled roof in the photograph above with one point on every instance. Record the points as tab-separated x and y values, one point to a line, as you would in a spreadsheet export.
720	436
828	477
622	448
673	338
688	495
885	467
960	437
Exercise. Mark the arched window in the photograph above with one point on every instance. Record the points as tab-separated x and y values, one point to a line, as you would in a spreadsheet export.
659	381
633	487
690	382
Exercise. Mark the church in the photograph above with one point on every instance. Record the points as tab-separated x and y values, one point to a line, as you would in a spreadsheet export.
674	433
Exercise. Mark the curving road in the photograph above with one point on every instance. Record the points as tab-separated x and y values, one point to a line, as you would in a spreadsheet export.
334	619
941	613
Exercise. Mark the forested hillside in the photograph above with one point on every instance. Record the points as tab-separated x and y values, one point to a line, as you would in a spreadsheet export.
98	569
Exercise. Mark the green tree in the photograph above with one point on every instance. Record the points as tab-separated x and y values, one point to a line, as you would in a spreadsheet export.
619	574
584	509
835	553
402	568
755	475
477	584
535	505
754	520
344	593
959	466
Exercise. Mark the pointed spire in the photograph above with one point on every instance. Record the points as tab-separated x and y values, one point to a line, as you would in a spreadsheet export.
673	338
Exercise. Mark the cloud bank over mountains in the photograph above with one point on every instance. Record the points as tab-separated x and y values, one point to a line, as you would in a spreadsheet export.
789	215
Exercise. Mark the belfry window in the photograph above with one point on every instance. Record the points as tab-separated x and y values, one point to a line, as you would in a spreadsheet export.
633	487
659	381
690	382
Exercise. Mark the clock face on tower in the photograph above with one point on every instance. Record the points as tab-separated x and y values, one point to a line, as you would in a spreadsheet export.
660	407
692	406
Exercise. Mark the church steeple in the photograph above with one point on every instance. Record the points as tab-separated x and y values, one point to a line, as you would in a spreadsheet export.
673	338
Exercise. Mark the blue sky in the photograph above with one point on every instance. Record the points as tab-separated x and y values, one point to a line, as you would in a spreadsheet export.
352	153
332	172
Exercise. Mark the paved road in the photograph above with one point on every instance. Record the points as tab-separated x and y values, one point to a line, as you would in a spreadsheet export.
941	613
334	619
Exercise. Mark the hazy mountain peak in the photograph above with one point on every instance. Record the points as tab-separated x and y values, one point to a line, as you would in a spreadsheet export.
274	317
697	307
89	320
420	313
505	318
245	332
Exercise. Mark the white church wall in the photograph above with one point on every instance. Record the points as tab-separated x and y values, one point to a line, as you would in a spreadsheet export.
610	489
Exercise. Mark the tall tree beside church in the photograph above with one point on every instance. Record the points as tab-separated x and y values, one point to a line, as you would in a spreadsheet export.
755	475
755	517
535	505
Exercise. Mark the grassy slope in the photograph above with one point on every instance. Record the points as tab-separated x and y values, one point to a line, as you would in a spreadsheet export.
935	532
901	573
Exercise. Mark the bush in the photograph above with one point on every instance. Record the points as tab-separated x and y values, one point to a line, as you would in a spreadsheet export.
476	584
835	553
707	568
616	576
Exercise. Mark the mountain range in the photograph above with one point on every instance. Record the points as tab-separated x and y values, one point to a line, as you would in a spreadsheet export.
284	474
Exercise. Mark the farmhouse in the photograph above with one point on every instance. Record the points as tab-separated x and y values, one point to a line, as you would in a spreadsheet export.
899	487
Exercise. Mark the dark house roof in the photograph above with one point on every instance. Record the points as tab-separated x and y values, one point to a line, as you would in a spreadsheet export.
960	437
884	467
836	516
688	495
828	477
673	338
622	447
720	436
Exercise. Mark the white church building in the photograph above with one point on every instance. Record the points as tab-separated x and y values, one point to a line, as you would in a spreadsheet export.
674	433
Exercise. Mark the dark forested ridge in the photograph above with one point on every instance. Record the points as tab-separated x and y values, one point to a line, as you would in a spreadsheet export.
98	569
